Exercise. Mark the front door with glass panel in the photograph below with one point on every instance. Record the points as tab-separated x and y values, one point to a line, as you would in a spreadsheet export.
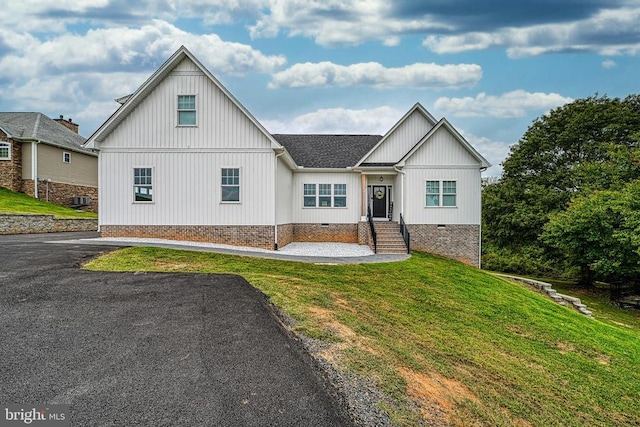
379	201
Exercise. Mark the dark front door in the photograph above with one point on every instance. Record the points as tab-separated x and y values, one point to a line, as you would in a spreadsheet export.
379	201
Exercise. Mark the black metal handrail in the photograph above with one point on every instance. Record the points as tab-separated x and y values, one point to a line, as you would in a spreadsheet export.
404	230
373	230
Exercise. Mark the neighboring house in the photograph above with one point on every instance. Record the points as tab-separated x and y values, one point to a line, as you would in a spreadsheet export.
45	159
183	159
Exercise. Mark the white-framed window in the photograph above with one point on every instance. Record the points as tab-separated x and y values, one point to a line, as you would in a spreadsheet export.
5	151
230	184
324	195
440	194
186	110
143	185
66	157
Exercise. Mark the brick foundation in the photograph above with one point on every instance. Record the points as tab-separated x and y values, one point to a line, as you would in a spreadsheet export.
460	242
11	170
256	236
343	233
62	194
285	234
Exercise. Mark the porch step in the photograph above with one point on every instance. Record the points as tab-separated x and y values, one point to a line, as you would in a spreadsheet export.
389	238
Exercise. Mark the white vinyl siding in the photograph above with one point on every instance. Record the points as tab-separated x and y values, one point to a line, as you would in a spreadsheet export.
5	151
442	149
345	187
405	137
152	124
467	197
187	188
230	187
186	110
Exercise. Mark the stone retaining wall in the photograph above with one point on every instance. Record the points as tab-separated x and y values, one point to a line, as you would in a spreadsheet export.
25	224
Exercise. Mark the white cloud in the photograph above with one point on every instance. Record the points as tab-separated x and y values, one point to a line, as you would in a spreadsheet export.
375	121
608	63
597	33
494	151
511	104
124	48
432	76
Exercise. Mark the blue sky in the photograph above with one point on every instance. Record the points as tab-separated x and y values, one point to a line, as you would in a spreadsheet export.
329	66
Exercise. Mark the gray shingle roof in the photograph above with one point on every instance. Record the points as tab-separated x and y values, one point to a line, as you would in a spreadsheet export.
40	127
327	151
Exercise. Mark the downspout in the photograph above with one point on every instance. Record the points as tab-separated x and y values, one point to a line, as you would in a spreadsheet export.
402	173
275	204
34	167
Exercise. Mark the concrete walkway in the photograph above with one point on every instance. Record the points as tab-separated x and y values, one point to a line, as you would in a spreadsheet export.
338	258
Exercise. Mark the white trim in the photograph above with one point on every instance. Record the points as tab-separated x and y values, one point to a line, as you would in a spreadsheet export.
9	149
178	110
332	195
231	202
134	185
64	157
440	193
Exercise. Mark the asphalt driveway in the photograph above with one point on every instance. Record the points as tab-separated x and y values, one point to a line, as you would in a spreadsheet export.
128	349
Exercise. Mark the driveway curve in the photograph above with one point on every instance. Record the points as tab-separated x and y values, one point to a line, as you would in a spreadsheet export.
147	349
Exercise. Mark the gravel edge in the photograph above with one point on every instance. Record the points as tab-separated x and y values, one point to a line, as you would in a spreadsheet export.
358	397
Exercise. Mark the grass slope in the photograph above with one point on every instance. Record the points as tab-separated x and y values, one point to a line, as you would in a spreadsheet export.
466	347
18	203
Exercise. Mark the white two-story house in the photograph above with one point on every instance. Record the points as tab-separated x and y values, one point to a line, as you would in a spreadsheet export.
183	159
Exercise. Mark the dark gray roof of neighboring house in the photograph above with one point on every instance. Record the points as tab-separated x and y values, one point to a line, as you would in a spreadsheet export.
327	151
42	128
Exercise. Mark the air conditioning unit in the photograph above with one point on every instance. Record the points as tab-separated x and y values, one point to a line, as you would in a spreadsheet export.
82	201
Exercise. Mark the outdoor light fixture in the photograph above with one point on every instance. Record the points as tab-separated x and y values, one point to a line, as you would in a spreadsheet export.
381	178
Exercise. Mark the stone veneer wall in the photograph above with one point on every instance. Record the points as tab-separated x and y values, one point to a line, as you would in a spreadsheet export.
343	233
458	241
11	170
256	236
285	234
23	224
62	194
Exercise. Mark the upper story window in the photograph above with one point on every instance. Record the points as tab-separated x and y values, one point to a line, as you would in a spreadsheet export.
186	110
441	193
143	185
5	151
325	195
230	184
66	157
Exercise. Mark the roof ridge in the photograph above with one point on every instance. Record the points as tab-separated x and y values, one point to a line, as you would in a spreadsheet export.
36	125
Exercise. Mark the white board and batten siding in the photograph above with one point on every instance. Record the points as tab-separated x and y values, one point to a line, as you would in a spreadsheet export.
442	158
284	193
187	160
403	139
348	215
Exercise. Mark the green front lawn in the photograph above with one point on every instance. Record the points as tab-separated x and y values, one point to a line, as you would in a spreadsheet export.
18	203
446	341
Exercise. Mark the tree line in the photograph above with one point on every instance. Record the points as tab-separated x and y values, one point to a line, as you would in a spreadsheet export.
568	202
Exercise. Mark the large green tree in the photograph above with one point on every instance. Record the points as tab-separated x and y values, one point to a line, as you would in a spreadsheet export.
587	145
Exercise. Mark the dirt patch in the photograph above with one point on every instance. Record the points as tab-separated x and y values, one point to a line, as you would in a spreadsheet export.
564	347
436	395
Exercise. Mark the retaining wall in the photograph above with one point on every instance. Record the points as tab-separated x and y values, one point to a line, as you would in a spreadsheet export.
25	224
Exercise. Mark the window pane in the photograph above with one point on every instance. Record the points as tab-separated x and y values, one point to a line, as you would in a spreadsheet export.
339	202
186	117
310	190
448	187
433	200
433	187
310	202
325	189
324	201
231	176
231	194
186	102
340	189
4	152
143	194
448	200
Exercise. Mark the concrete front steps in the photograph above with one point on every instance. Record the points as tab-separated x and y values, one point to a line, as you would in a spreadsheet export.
389	238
